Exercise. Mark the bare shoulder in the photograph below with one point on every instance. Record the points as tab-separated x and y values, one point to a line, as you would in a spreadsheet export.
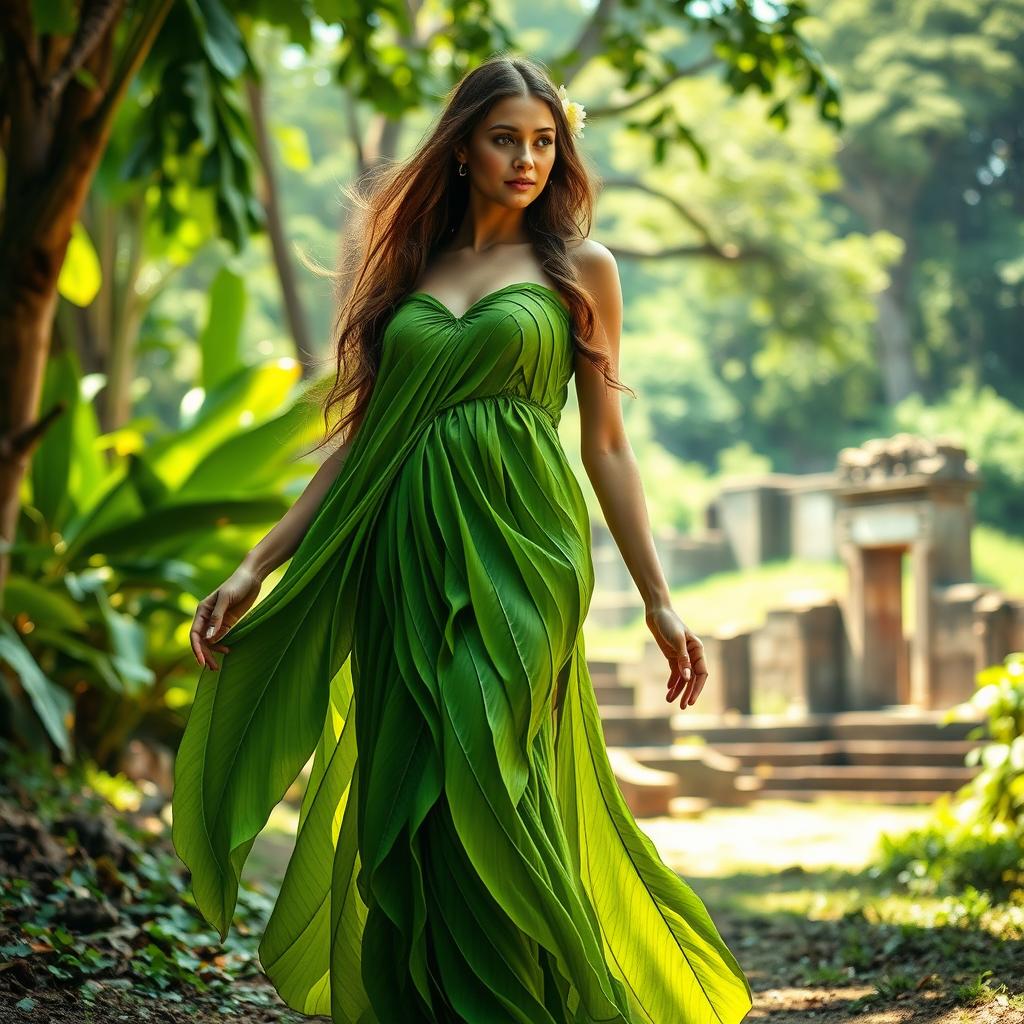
598	273
589	254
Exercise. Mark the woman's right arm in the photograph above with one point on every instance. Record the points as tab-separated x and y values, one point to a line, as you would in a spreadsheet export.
220	610
280	543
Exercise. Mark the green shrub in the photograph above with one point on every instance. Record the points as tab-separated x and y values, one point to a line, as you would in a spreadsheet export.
975	837
944	858
995	795
120	535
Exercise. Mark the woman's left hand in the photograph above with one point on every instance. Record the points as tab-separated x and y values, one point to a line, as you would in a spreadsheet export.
684	651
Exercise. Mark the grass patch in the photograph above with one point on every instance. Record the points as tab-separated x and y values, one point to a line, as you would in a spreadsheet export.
744	597
739	598
998	558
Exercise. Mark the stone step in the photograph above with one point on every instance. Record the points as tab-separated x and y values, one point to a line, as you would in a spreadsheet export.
887	751
614	695
899	723
716	729
702	771
647	791
920	752
688	806
629	727
896	724
889	797
880	777
795	752
604	673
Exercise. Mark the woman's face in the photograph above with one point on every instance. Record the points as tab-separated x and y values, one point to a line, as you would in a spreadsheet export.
515	139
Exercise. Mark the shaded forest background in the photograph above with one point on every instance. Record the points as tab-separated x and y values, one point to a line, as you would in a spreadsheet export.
803	290
817	214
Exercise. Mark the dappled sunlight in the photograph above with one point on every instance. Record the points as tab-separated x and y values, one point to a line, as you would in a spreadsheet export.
775	834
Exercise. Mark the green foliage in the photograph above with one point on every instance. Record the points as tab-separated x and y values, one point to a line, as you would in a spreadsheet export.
997	558
991	428
56	16
775	348
933	94
681	391
979	989
976	839
121	535
102	865
80	274
759	50
996	793
221	339
944	858
52	705
195	126
918	204
878	949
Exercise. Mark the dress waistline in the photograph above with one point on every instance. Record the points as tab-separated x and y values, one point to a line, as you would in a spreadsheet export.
513	395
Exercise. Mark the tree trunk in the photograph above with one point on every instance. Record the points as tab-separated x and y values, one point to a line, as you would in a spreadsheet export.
882	205
895	348
55	140
30	262
275	229
124	315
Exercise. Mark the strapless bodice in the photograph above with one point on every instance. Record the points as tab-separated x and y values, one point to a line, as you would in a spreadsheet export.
514	342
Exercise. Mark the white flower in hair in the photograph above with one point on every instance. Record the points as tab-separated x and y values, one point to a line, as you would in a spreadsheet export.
575	113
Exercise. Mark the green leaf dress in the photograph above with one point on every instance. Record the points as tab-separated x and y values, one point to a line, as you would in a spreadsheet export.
464	853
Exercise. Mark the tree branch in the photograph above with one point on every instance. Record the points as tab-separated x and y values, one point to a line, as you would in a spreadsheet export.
689	71
18	444
18	33
83	152
96	19
354	130
132	58
589	43
727	251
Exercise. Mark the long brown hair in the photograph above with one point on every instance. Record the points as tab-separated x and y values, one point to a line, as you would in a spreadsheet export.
405	211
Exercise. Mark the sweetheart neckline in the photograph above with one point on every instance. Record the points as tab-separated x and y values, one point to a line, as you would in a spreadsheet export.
559	301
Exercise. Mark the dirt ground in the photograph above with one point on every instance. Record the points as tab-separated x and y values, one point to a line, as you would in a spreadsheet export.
780	882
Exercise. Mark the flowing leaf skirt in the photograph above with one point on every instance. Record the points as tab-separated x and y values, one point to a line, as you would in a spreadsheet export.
464	852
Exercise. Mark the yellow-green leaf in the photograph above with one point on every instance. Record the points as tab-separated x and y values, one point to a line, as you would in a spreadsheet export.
80	276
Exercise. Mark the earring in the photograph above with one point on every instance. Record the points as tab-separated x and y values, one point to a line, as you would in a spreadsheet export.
463	170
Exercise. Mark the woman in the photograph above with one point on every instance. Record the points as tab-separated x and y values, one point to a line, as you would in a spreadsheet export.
464	853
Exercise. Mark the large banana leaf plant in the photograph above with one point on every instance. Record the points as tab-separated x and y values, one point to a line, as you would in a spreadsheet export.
122	533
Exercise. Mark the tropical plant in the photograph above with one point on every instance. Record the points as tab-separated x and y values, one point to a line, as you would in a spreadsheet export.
976	836
994	798
121	533
68	69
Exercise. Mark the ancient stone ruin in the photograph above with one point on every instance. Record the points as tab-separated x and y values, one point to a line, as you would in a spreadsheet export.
830	692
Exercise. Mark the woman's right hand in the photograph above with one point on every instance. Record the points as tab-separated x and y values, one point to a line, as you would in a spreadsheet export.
219	611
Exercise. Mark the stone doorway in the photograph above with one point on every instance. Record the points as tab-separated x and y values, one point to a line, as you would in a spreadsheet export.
886	655
897	496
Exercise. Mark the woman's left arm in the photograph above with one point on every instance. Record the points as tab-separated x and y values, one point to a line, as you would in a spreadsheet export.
613	471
